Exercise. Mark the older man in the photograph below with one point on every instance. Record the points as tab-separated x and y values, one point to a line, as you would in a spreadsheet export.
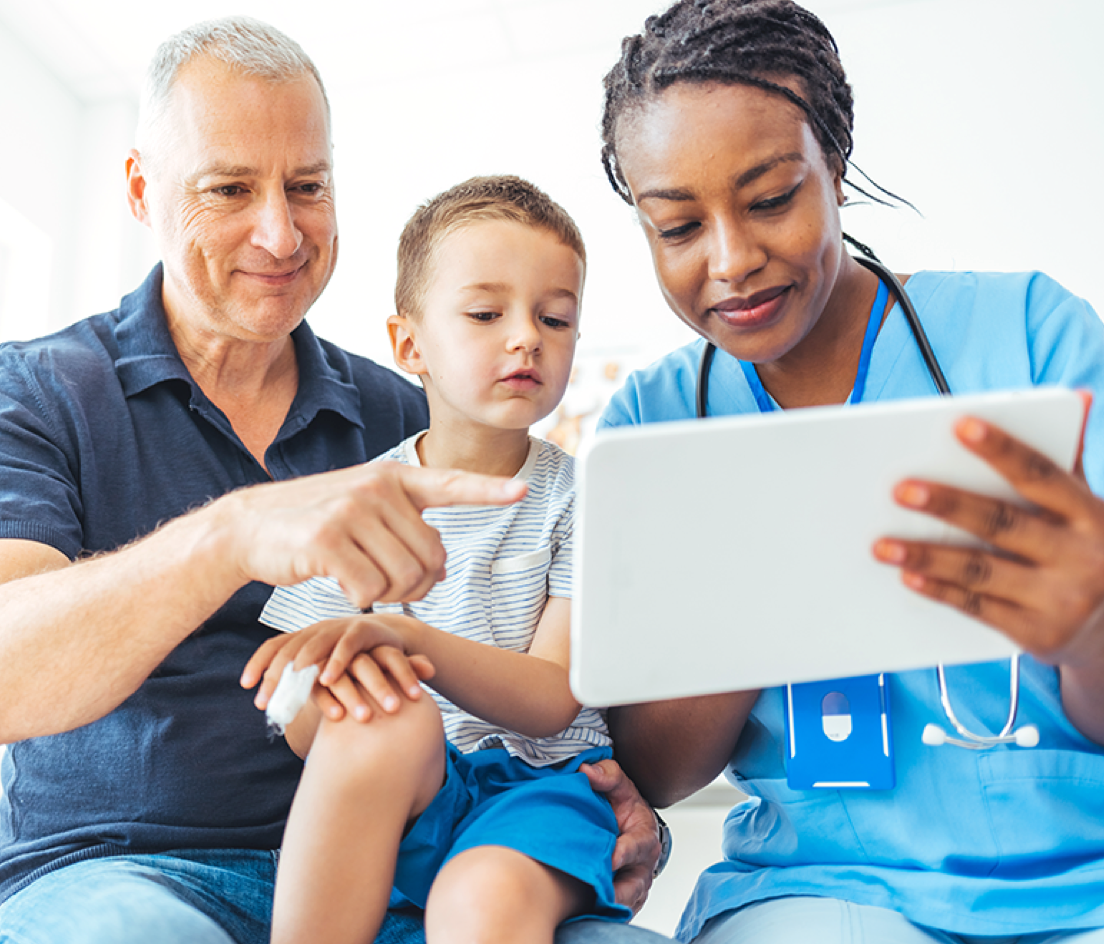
162	464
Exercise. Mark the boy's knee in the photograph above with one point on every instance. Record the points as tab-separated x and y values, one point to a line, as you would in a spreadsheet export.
408	746
490	894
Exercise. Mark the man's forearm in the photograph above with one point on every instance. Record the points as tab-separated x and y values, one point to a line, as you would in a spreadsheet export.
78	640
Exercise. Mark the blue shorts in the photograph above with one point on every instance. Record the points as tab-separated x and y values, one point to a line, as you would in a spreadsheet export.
490	798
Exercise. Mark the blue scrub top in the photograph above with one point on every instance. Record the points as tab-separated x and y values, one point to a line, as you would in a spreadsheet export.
1003	841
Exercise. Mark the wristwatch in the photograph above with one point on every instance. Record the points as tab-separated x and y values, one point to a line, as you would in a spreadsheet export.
664	844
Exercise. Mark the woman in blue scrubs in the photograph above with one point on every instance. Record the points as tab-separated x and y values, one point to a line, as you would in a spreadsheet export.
728	127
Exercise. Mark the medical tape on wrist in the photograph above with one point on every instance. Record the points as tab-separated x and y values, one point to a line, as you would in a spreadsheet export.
292	693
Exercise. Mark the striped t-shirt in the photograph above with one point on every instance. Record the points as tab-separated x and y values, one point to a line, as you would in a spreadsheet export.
503	564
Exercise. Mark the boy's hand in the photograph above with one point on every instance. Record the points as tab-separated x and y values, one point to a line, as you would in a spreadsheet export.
362	661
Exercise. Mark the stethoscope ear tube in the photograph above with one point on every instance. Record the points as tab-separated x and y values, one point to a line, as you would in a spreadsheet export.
913	318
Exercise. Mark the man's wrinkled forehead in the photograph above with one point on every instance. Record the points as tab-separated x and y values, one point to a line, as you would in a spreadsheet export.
215	106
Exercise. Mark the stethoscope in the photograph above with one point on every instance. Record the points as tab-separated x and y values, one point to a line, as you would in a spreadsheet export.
933	735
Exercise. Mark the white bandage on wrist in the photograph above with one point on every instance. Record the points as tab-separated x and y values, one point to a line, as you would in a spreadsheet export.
292	693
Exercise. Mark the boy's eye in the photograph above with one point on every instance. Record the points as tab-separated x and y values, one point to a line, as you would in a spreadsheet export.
555	322
482	315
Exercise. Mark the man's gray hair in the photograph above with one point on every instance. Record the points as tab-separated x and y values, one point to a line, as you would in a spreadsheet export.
247	45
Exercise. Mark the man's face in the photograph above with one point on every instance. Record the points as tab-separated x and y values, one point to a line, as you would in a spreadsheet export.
239	195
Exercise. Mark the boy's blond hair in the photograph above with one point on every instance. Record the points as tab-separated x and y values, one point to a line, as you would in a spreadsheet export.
480	198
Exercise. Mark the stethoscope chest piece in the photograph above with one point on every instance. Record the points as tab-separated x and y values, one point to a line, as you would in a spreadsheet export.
1024	736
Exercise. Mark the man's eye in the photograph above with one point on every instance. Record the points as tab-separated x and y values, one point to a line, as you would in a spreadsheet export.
230	190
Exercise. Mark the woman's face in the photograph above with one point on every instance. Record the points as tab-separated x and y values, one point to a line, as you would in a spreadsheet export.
741	211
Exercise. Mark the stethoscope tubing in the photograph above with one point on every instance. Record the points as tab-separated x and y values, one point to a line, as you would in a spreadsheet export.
701	390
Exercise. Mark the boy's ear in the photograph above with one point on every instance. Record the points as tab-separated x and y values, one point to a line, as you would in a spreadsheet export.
404	345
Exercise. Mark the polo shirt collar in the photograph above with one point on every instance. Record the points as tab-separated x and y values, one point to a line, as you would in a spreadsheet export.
147	356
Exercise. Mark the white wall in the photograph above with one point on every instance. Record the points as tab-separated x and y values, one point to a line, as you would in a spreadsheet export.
68	246
986	114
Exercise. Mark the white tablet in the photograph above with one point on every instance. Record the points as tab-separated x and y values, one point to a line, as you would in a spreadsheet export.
735	553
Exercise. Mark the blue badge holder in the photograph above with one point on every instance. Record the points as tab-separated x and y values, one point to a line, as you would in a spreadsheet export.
838	734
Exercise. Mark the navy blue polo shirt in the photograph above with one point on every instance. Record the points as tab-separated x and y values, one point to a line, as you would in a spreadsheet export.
104	435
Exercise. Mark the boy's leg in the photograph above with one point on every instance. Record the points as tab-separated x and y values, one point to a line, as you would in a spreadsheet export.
493	894
360	787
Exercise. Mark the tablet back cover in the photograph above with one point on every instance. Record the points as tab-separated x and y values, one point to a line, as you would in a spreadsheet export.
735	553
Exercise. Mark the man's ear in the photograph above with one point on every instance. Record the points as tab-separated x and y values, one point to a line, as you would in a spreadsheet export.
136	188
404	344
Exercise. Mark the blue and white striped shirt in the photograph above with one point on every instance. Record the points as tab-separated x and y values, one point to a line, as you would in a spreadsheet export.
503	564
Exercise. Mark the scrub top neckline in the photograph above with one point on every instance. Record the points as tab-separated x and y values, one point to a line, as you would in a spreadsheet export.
766	403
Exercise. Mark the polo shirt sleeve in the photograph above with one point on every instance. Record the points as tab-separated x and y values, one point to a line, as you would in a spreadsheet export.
39	495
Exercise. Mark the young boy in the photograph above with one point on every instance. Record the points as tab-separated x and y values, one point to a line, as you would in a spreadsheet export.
495	832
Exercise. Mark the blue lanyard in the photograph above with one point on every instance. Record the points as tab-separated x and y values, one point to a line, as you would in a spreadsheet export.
873	322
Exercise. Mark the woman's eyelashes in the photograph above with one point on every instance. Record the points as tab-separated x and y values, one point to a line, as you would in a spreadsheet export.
764	206
676	232
776	203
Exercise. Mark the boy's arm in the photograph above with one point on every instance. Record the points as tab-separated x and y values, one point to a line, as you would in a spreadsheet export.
524	692
364	668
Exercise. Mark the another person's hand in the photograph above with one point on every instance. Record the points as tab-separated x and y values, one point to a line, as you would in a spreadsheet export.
362	525
362	661
638	845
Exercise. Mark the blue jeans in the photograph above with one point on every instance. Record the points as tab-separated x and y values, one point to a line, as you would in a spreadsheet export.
195	897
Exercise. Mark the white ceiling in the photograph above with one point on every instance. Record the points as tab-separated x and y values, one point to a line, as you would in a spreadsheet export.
99	48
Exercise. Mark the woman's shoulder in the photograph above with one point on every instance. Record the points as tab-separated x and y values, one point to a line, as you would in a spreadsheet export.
661	392
987	290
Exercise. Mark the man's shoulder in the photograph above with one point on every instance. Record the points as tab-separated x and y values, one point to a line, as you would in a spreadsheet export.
80	350
367	375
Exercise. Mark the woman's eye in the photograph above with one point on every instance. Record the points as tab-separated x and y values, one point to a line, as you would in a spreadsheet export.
774	203
677	232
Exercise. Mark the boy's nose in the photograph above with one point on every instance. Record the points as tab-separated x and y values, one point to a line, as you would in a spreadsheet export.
525	336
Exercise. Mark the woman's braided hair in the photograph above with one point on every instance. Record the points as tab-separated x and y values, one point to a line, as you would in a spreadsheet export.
732	42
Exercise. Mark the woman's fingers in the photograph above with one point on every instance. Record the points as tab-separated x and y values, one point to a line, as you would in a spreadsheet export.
1039	575
1033	475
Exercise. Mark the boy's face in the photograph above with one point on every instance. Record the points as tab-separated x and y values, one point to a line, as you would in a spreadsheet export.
496	337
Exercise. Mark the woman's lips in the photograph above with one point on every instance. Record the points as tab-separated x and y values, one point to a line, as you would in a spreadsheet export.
754	311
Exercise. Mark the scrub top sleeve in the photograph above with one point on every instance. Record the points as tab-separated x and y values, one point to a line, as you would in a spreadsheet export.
1066	339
